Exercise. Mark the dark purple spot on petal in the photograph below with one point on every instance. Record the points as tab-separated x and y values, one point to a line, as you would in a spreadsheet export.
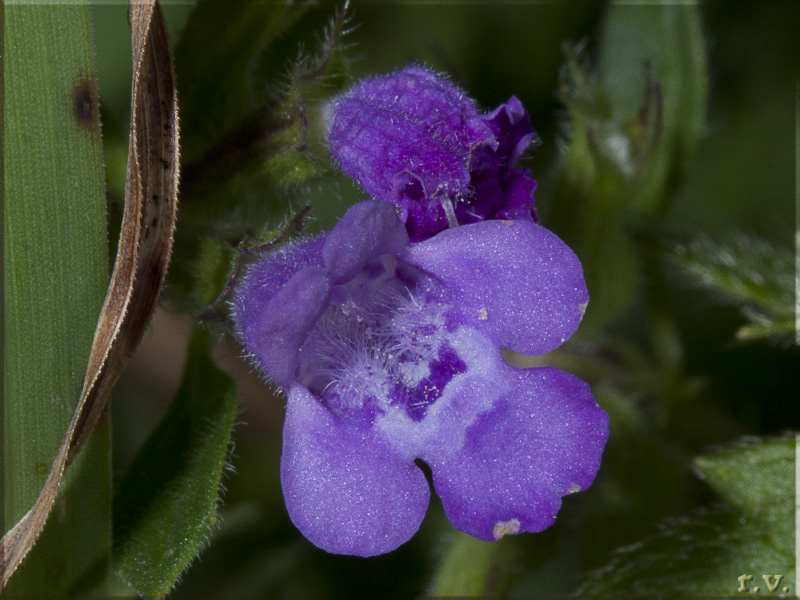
416	400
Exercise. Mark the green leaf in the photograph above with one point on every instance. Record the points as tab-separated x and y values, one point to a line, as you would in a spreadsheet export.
755	476
705	553
748	272
698	556
55	279
167	501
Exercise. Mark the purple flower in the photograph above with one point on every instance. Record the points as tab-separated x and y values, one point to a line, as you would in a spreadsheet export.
417	141
390	352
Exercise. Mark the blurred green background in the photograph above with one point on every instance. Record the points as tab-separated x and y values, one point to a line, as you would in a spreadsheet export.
670	371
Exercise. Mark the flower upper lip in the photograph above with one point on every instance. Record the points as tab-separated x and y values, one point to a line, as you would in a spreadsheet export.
415	140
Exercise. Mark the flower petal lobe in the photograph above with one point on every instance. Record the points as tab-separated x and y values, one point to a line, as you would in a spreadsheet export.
514	280
538	442
345	488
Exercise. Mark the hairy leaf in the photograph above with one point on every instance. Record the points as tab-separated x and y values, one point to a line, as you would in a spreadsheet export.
167	501
748	272
755	476
705	553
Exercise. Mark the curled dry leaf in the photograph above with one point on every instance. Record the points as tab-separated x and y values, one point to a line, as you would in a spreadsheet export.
143	254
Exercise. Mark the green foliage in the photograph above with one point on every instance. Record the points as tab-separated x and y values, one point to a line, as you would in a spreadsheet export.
55	278
755	275
660	128
216	59
255	129
756	477
633	123
167	501
704	553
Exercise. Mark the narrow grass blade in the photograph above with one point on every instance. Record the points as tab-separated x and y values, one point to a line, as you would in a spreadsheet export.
55	277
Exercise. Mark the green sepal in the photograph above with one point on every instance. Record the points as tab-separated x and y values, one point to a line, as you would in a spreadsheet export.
302	152
216	62
213	270
633	123
220	265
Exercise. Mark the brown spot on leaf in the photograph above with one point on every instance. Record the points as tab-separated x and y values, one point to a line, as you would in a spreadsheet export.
85	105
